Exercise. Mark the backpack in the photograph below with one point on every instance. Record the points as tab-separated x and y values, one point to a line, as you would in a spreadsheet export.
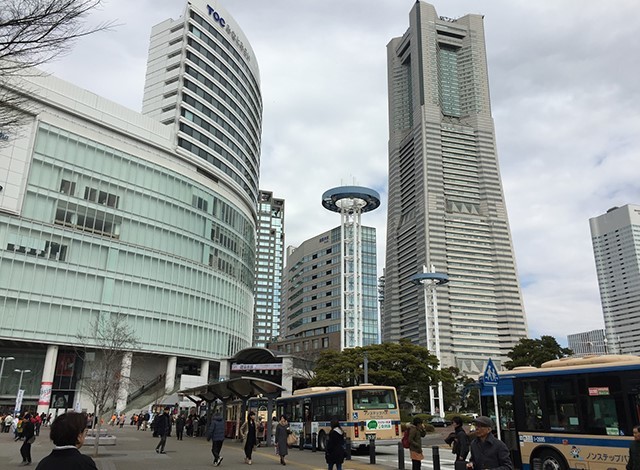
405	439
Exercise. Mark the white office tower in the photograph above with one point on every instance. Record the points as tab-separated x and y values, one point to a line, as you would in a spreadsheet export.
616	247
203	78
446	205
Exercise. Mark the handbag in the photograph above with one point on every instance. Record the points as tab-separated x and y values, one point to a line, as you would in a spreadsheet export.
31	440
292	440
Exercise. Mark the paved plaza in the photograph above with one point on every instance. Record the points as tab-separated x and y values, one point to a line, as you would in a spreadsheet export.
135	451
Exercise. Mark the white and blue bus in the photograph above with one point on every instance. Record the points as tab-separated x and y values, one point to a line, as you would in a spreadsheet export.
571	413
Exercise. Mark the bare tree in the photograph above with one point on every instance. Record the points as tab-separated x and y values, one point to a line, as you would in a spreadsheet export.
33	32
111	338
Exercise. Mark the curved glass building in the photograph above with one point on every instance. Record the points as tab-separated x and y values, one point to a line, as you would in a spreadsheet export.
151	217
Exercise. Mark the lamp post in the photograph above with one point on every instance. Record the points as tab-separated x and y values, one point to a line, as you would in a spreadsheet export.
22	372
6	358
431	280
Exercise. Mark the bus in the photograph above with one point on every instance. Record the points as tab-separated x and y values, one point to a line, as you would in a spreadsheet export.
571	413
362	410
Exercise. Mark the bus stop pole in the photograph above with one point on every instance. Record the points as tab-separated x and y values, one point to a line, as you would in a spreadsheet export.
495	404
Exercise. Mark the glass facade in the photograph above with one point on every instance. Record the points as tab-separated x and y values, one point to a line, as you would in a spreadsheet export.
103	232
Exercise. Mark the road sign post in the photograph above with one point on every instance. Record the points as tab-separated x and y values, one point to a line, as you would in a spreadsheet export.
492	378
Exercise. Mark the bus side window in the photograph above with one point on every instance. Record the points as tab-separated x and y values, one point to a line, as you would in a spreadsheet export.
533	411
562	405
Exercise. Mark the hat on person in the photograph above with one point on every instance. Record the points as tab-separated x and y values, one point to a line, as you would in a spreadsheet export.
483	421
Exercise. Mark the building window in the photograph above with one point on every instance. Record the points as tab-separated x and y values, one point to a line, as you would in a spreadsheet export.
67	187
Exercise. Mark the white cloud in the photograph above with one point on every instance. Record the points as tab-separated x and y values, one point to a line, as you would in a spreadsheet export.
565	100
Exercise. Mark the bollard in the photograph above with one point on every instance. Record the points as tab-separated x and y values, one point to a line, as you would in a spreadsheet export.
371	436
400	456
301	437
347	448
436	457
314	441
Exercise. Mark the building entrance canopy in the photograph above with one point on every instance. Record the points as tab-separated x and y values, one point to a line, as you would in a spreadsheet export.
240	387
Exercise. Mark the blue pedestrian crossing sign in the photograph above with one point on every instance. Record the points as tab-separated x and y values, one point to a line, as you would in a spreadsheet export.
490	376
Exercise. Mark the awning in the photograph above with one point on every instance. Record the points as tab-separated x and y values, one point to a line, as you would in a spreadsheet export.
241	387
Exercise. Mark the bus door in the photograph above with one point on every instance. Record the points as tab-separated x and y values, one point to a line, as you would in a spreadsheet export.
307	413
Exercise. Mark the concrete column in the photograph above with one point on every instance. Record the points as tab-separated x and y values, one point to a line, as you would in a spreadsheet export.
170	377
125	380
204	370
46	383
225	370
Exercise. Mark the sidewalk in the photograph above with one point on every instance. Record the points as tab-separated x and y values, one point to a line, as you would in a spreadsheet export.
135	450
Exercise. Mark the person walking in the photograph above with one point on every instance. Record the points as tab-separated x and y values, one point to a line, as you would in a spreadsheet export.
634	450
274	426
282	432
460	441
161	427
68	432
487	451
416	432
215	434
28	434
180	422
334	454
248	431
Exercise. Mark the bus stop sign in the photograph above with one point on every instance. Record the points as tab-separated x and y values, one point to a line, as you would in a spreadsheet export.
491	376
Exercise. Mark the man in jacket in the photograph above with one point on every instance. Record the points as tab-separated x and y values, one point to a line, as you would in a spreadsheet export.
461	440
487	452
161	426
634	450
215	434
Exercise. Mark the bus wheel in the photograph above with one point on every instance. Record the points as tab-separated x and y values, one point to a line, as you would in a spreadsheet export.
551	460
322	441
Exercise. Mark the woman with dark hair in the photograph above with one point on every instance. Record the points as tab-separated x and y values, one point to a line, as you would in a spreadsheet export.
68	432
282	432
28	434
416	433
334	453
248	431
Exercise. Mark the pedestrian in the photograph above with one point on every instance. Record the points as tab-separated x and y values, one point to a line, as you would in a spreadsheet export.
28	434
161	427
458	440
274	426
68	432
180	422
634	450
248	431
215	434
282	432
486	450
334	453
416	433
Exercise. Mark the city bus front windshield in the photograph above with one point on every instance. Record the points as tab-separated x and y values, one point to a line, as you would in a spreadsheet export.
372	399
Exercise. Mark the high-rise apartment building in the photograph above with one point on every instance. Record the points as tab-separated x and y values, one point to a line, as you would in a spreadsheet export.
616	247
152	218
269	262
446	206
312	289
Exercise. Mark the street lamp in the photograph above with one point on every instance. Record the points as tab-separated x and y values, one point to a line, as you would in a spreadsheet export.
22	372
431	280
6	358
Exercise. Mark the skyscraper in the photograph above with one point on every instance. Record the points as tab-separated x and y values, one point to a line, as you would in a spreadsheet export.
269	262
446	205
106	212
616	247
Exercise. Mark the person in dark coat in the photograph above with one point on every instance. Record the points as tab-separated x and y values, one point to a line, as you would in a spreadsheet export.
487	451
68	432
334	453
634	450
161	427
282	432
248	431
180	422
28	434
461	440
215	434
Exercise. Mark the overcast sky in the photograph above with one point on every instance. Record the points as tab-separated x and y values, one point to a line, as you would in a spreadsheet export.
564	81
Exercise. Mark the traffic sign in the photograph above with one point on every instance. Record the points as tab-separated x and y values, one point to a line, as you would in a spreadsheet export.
491	376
